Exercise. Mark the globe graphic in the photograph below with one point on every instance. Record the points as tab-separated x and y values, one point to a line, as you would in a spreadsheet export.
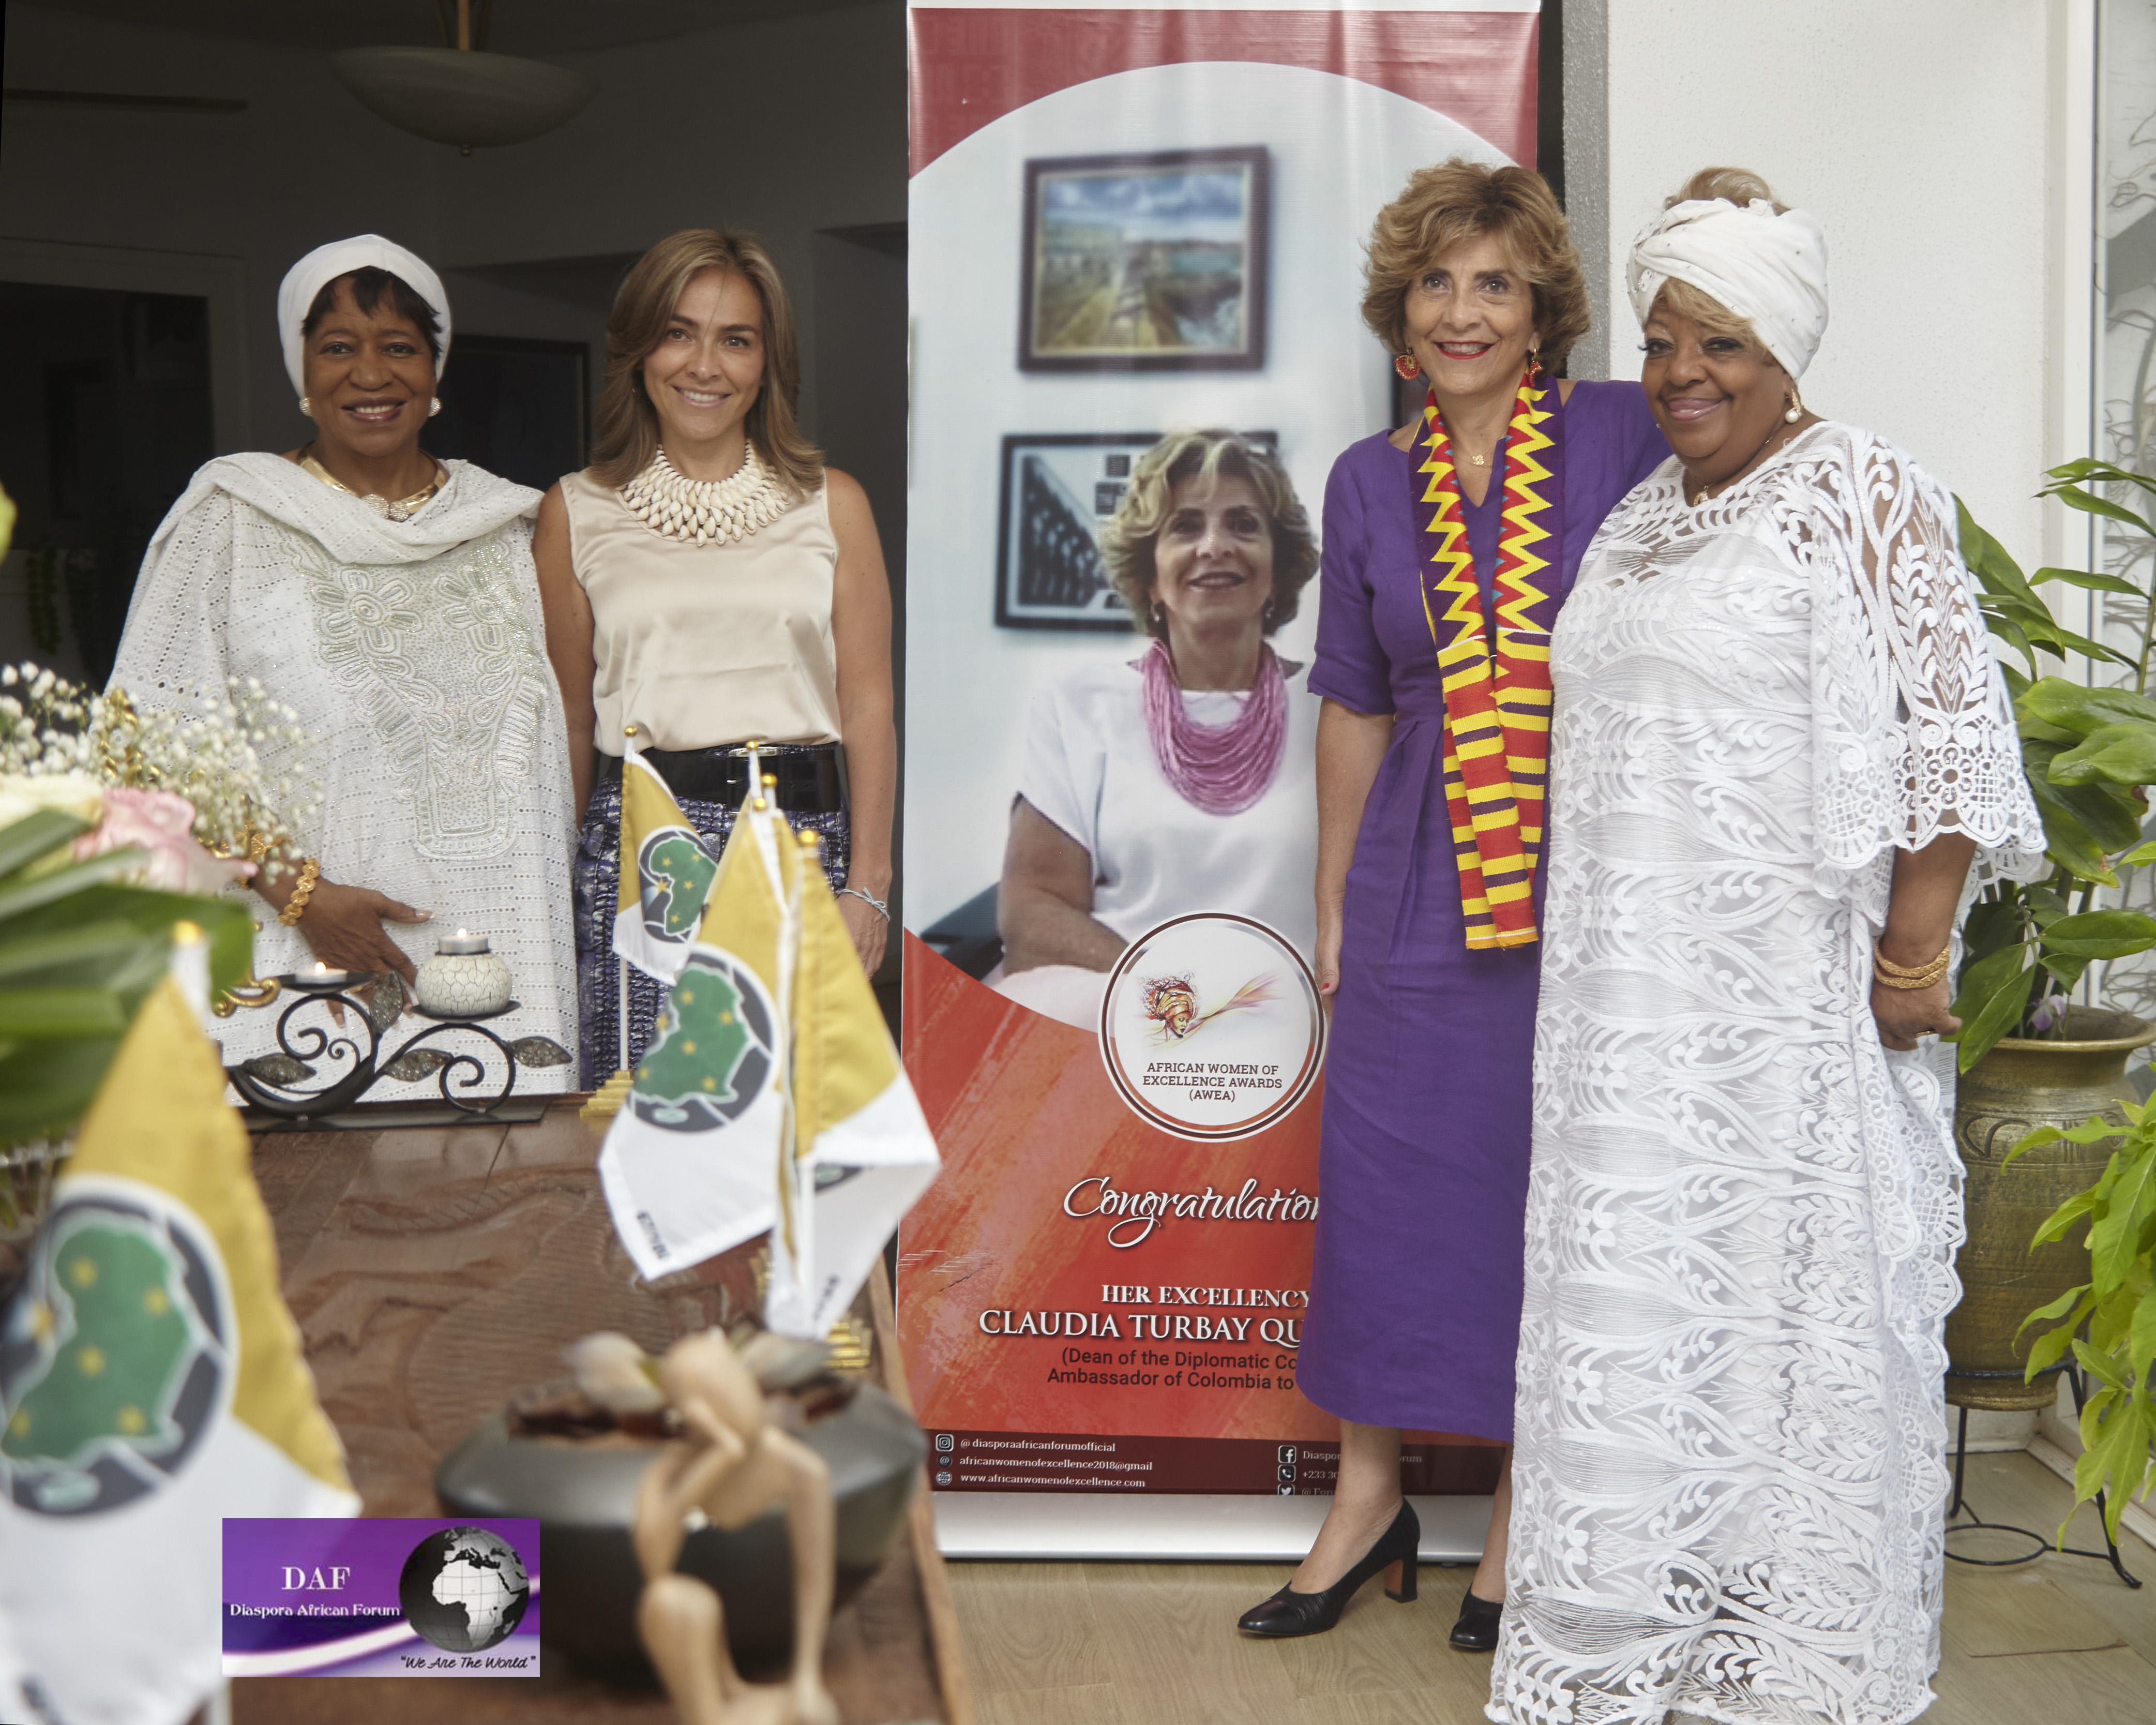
464	1589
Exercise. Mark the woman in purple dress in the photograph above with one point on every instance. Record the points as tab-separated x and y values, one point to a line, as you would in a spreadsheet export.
1433	663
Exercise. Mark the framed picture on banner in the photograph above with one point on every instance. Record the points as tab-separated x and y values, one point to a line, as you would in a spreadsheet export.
1058	491
1147	263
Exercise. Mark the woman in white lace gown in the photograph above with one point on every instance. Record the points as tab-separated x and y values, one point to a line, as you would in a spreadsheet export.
1779	737
407	636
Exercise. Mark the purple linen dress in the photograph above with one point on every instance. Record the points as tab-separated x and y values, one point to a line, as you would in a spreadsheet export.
1414	1302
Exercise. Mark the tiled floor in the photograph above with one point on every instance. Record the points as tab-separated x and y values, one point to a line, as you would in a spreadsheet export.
1154	1644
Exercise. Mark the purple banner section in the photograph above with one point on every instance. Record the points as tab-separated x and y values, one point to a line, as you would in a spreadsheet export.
403	1597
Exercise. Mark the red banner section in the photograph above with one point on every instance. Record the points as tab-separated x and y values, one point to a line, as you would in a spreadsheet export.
969	67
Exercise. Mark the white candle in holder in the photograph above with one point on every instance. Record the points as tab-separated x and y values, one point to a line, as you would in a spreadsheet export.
464	978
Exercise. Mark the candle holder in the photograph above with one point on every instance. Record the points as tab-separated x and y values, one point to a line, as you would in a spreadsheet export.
289	1083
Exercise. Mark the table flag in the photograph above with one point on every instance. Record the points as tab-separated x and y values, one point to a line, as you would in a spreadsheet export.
151	1384
667	872
771	1097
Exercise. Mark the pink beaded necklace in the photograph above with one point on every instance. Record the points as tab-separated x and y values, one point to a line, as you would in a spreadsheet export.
1222	769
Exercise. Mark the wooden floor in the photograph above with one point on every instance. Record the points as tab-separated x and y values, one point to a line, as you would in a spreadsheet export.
1155	1644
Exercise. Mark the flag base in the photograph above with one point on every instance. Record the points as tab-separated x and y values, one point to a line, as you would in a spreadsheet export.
607	1100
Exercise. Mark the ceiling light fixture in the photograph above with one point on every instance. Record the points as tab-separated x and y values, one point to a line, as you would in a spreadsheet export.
459	94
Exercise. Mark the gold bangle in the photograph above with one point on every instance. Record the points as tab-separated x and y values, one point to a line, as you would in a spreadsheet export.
1882	962
1889	974
296	907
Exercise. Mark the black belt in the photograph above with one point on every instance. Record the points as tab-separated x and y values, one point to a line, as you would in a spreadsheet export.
812	780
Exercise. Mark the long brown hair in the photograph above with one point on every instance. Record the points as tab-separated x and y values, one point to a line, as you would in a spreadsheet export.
626	436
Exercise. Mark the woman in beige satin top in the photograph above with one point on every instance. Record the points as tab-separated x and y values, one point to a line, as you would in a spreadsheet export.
708	581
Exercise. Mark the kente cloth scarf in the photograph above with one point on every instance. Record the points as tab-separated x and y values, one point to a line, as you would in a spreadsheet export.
1496	706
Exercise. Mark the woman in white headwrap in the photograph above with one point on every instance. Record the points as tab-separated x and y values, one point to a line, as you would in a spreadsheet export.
390	599
1779	737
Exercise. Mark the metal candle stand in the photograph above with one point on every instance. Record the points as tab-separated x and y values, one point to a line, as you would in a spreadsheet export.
272	1082
2109	1553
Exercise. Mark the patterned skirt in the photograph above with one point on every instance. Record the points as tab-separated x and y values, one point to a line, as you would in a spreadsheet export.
597	882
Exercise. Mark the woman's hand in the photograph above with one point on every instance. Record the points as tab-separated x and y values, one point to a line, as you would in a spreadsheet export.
1329	929
342	925
1904	1015
869	929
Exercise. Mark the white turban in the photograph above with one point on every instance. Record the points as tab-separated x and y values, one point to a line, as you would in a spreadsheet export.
341	257
1770	269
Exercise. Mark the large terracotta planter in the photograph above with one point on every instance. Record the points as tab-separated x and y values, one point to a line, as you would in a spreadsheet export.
2023	1084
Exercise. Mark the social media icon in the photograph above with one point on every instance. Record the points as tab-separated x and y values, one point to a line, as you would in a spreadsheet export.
942	1479
943	1443
1287	1455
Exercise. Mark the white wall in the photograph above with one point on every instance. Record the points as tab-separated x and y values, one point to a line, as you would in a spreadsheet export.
786	127
1918	131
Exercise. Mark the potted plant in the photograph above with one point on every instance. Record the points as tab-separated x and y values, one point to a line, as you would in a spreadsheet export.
2062	1173
2030	1058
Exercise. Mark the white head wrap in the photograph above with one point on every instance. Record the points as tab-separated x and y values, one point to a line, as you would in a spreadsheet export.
341	257
1770	269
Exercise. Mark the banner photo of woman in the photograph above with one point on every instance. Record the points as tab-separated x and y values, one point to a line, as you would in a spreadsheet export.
1139	348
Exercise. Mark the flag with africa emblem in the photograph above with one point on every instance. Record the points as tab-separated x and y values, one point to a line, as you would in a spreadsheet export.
151	1384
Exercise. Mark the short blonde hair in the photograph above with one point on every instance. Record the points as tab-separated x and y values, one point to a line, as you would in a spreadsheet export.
1126	542
625	429
1445	205
1739	186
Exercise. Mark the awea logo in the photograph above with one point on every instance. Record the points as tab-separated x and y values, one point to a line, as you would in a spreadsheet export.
115	1361
713	1049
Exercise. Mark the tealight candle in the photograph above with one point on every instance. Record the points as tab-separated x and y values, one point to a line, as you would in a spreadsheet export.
464	978
322	977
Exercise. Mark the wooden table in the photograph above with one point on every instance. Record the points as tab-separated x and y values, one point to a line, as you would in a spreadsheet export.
434	1271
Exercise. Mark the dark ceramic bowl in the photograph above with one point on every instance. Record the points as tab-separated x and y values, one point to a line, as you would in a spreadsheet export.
585	1497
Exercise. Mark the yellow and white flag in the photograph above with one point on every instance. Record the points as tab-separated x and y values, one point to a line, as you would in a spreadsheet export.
666	871
771	1097
690	1165
861	1150
151	1384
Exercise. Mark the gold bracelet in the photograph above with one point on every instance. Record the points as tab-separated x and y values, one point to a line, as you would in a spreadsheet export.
1891	968
1892	975
296	907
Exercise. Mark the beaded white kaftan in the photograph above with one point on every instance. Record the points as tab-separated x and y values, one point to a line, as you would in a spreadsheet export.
414	654
1729	1479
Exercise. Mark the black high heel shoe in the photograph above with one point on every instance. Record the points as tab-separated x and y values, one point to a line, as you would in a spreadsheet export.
1476	1631
1288	1613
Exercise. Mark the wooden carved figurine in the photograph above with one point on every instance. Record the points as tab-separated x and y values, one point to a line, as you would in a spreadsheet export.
727	1469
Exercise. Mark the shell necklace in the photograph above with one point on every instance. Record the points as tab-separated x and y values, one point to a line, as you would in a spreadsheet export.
707	511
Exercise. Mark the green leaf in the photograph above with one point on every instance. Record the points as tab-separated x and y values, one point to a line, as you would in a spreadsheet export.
2090	504
2043	730
18	896
2102	934
69	948
2067	1301
26	1014
1984	978
2099	1366
1991	924
2141	1339
2056	1225
2133	859
2088	578
2124	754
37	836
2113	1235
2082	709
2084	467
1999	1014
2068	971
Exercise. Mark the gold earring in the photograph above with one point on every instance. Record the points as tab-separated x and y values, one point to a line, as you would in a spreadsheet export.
435	408
1796	409
307	406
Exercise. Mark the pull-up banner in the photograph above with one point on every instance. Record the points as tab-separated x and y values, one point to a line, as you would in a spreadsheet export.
1136	237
